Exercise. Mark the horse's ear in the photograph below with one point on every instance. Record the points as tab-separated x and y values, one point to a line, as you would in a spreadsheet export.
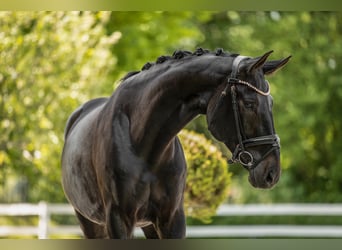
271	66
258	62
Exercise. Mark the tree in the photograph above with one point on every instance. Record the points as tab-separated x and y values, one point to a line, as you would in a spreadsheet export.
50	63
147	35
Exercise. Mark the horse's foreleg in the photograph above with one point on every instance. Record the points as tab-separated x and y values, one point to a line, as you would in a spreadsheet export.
90	229
174	228
116	227
150	232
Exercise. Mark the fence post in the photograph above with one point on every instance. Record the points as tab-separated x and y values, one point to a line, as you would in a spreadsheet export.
44	219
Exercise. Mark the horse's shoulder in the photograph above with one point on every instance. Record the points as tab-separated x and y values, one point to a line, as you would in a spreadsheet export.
82	111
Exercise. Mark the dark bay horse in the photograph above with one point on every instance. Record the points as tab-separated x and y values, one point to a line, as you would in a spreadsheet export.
123	165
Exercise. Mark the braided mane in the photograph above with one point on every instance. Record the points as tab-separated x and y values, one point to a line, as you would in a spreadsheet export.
179	54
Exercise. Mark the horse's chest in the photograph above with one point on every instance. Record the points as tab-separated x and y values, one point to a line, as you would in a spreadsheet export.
153	195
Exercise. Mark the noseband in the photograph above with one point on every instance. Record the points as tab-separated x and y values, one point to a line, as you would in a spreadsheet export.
241	154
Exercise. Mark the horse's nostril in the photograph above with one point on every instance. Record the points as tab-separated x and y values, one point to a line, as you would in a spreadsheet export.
270	178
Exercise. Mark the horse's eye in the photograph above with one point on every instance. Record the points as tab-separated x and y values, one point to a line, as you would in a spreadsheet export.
249	104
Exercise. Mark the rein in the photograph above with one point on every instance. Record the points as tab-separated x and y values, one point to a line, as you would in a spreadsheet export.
241	154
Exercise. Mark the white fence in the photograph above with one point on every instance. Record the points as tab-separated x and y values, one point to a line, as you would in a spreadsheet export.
45	229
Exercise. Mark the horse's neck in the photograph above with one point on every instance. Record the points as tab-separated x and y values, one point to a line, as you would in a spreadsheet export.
171	99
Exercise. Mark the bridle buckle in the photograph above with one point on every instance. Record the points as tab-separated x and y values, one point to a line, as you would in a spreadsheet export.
246	159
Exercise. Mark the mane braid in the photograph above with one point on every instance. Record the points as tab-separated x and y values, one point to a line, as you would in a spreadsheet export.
147	66
128	75
179	54
200	51
162	59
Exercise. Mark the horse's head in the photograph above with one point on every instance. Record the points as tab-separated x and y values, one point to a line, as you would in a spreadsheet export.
240	115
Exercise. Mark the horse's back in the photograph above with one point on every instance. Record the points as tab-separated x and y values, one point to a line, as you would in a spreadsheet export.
78	175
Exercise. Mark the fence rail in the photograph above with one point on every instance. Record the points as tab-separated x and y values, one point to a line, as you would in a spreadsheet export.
45	229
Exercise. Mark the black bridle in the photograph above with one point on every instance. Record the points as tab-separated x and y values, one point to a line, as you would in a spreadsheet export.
241	154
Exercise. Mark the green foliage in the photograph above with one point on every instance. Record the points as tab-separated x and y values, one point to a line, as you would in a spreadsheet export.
147	35
50	63
208	178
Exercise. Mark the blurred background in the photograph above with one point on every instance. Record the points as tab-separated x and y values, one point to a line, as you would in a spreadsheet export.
51	62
